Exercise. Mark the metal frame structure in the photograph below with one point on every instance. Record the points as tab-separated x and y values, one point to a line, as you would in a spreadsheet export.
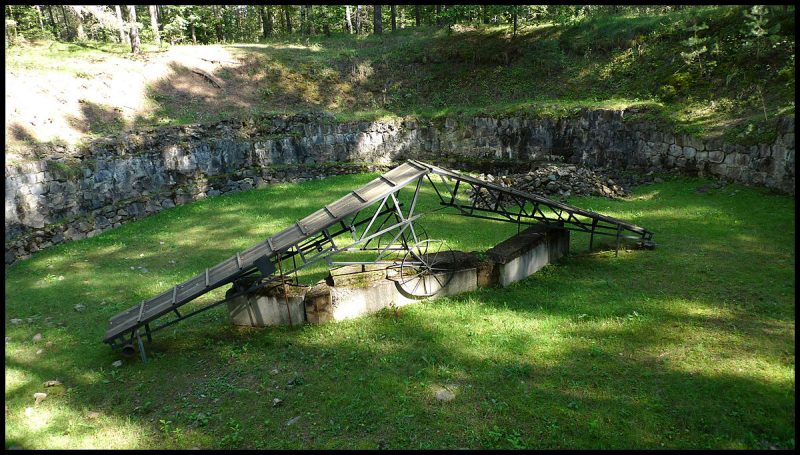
340	227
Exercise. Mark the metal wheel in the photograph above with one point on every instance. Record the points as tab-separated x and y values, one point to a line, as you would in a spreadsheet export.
425	269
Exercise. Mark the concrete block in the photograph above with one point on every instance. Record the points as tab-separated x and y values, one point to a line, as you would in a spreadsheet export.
267	306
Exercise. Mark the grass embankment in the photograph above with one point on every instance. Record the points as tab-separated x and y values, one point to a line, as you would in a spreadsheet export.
687	346
729	82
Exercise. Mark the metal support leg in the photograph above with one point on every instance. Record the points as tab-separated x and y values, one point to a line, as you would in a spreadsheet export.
147	331
141	348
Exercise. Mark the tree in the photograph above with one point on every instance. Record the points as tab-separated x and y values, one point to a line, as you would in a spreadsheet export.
309	19
394	18
358	19
347	17
81	31
416	15
135	43
288	18
154	24
266	20
123	38
52	20
377	26
39	15
515	13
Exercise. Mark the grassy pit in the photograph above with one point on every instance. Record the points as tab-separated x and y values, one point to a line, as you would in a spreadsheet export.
687	346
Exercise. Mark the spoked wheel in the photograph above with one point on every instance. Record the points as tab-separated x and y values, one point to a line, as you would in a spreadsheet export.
426	268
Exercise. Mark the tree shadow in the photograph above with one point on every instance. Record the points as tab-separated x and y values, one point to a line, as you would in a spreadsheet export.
595	352
97	119
22	133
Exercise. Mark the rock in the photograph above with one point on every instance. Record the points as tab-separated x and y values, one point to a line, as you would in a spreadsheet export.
39	351
52	383
92	415
16	321
39	396
292	421
117	364
49	344
8	339
274	371
445	395
79	307
276	402
658	180
37	337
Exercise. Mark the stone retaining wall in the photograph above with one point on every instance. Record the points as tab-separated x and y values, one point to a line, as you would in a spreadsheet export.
78	194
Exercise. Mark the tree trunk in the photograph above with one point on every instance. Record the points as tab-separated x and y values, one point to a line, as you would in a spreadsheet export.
394	17
81	32
39	15
416	15
135	43
52	20
288	19
218	24
123	38
515	21
266	20
194	36
302	19
485	14
154	24
377	26
438	15
67	30
358	19
347	17
309	19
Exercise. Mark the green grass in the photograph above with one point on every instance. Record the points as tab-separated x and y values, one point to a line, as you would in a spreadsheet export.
738	89
690	345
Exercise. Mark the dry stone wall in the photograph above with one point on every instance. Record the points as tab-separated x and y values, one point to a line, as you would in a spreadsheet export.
79	193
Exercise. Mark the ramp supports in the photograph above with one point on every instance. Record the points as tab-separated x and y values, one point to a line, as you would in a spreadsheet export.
336	228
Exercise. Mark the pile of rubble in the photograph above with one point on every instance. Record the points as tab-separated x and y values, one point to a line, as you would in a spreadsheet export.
560	181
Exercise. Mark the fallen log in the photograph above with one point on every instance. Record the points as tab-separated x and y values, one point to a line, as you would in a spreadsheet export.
215	81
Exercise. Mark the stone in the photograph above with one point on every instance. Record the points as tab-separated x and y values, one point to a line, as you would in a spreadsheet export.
39	397
116	364
292	421
79	307
444	395
36	338
148	165
52	383
15	321
276	402
92	415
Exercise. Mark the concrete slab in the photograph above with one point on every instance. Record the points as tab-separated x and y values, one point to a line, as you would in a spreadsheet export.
526	253
267	307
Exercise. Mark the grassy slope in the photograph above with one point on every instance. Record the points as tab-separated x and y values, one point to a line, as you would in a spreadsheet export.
689	345
613	61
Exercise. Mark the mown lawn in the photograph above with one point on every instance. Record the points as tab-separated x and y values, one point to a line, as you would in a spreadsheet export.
690	345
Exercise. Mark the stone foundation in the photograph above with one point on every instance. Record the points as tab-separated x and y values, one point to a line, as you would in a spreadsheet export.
354	291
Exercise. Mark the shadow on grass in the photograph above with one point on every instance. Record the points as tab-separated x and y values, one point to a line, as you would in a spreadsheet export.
596	351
